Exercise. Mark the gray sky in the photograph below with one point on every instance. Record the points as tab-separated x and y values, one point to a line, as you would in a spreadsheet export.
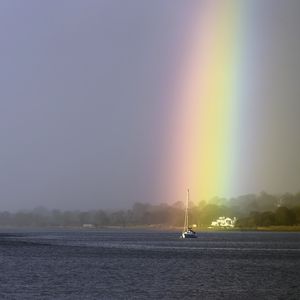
84	100
271	141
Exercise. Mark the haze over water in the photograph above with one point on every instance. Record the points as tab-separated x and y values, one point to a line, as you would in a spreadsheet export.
111	109
91	113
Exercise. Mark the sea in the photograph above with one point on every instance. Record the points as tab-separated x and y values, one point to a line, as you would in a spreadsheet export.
148	264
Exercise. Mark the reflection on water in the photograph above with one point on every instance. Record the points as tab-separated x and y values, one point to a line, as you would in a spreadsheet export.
136	264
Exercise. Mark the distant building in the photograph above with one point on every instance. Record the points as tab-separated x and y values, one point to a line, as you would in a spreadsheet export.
224	222
88	226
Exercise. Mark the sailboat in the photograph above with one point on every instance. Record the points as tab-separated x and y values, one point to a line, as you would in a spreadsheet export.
188	232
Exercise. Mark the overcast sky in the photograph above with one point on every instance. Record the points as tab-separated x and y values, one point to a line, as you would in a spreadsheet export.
83	100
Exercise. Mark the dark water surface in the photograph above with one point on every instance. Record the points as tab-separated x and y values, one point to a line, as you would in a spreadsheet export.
137	264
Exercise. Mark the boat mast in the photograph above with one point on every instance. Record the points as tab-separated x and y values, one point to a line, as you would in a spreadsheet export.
186	218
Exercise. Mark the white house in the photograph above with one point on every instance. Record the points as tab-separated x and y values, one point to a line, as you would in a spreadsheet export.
224	222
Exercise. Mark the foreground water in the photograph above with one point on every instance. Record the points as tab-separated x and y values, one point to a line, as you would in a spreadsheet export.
136	264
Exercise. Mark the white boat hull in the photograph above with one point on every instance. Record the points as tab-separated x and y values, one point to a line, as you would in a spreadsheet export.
188	235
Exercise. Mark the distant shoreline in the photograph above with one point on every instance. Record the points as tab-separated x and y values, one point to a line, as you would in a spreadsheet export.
163	228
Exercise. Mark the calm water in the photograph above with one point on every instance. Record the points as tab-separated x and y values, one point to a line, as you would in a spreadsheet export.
136	264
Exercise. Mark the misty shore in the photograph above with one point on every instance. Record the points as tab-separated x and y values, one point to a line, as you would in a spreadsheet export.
263	212
160	228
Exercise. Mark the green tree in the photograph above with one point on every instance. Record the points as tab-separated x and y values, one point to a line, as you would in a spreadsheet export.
285	216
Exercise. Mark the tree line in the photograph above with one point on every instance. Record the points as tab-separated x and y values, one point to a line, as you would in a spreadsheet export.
282	216
251	211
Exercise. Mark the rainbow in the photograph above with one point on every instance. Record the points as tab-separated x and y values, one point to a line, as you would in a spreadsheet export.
204	130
